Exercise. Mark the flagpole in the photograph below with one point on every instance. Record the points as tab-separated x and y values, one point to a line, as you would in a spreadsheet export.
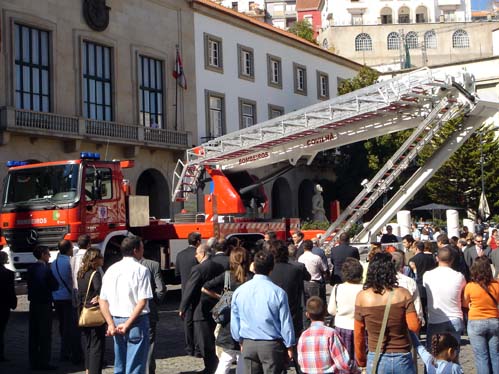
176	89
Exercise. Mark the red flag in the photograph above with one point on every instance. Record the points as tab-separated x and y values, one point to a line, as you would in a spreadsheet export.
178	73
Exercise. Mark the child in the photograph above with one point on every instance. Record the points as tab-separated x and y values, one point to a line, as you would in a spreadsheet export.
320	349
443	358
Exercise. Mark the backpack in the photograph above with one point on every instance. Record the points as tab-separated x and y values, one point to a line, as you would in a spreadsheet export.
221	311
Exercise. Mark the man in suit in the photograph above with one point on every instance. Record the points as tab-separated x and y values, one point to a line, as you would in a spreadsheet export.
159	292
9	299
298	237
220	257
290	278
478	250
339	255
202	304
186	259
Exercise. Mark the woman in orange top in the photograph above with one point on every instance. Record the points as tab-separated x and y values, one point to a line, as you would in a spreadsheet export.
395	356
481	296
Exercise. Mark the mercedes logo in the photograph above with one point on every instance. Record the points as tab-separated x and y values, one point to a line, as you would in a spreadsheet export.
32	237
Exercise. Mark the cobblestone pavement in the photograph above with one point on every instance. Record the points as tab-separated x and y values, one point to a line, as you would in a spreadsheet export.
170	357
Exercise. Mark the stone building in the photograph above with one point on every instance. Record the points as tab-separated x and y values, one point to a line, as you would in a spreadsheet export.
77	78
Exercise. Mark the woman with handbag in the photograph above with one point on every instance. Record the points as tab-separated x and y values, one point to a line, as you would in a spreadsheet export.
388	341
481	296
89	286
237	275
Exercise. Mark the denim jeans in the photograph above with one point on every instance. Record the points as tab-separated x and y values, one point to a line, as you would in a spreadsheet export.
454	327
131	349
484	339
392	363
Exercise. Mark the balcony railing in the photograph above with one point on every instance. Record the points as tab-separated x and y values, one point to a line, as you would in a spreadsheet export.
72	127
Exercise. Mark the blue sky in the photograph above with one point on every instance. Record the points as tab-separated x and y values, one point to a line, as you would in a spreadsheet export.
479	4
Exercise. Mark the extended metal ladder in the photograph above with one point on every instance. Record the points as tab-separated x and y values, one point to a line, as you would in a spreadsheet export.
385	107
443	112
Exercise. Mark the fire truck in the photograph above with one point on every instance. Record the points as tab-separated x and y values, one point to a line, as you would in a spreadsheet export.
46	202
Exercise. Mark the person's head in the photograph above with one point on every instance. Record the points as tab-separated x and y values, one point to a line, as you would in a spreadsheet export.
398	260
389	229
202	252
292	251
480	271
263	262
381	273
297	236
444	347
83	241
238	263
344	238
217	247
445	256
92	260
42	253
407	241
351	270
269	236
462	243
315	310
279	250
308	245
4	258
465	229
494	232
442	240
194	238
479	241
132	246
65	247
420	246
375	248
211	242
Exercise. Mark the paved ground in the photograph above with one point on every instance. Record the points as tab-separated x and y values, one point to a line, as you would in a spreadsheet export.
169	348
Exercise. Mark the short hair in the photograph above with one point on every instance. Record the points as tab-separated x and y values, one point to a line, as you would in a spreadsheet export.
39	251
409	238
315	308
389	227
64	246
264	262
463	242
344	238
279	250
272	235
193	238
443	239
479	235
217	247
352	270
299	233
308	245
129	244
445	254
292	250
203	248
212	242
83	241
420	246
398	260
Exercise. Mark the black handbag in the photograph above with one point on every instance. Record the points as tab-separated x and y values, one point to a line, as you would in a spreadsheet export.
221	311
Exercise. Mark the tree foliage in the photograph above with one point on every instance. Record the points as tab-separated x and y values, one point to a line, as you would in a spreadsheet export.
304	30
365	77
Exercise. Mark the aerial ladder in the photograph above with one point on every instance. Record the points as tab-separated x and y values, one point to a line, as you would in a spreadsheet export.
418	100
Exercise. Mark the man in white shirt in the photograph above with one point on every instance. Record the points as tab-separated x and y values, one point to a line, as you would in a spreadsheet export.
444	287
126	289
317	269
79	252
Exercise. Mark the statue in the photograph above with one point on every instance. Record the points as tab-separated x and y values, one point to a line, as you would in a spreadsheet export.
318	205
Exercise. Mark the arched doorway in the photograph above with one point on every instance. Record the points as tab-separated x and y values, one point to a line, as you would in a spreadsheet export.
152	183
386	15
404	15
281	199
421	14
305	194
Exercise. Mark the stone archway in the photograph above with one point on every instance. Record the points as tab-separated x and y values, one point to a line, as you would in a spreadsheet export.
153	184
305	194
281	199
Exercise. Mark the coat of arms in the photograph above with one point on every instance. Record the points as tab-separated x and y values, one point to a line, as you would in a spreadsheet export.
96	14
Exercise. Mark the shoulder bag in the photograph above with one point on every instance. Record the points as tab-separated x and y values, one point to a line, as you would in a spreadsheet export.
221	311
91	316
74	295
382	333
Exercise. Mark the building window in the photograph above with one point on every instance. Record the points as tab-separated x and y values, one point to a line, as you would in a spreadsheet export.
411	38
213	56
449	16
151	92
322	85
300	78
97	83
393	41
234	5
421	14
215	114
274	71
356	19
404	15
386	16
246	65
275	111
32	65
308	18
363	42
460	39
430	39
247	113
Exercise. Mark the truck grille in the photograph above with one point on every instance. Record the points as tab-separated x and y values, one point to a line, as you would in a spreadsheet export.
25	240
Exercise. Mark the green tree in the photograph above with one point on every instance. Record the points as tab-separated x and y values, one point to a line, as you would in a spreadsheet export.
304	30
365	77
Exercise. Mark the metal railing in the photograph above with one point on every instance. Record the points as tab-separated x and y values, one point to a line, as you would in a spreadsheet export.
111	130
46	121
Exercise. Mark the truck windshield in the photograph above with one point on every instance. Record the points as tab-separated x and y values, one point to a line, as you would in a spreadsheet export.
49	184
